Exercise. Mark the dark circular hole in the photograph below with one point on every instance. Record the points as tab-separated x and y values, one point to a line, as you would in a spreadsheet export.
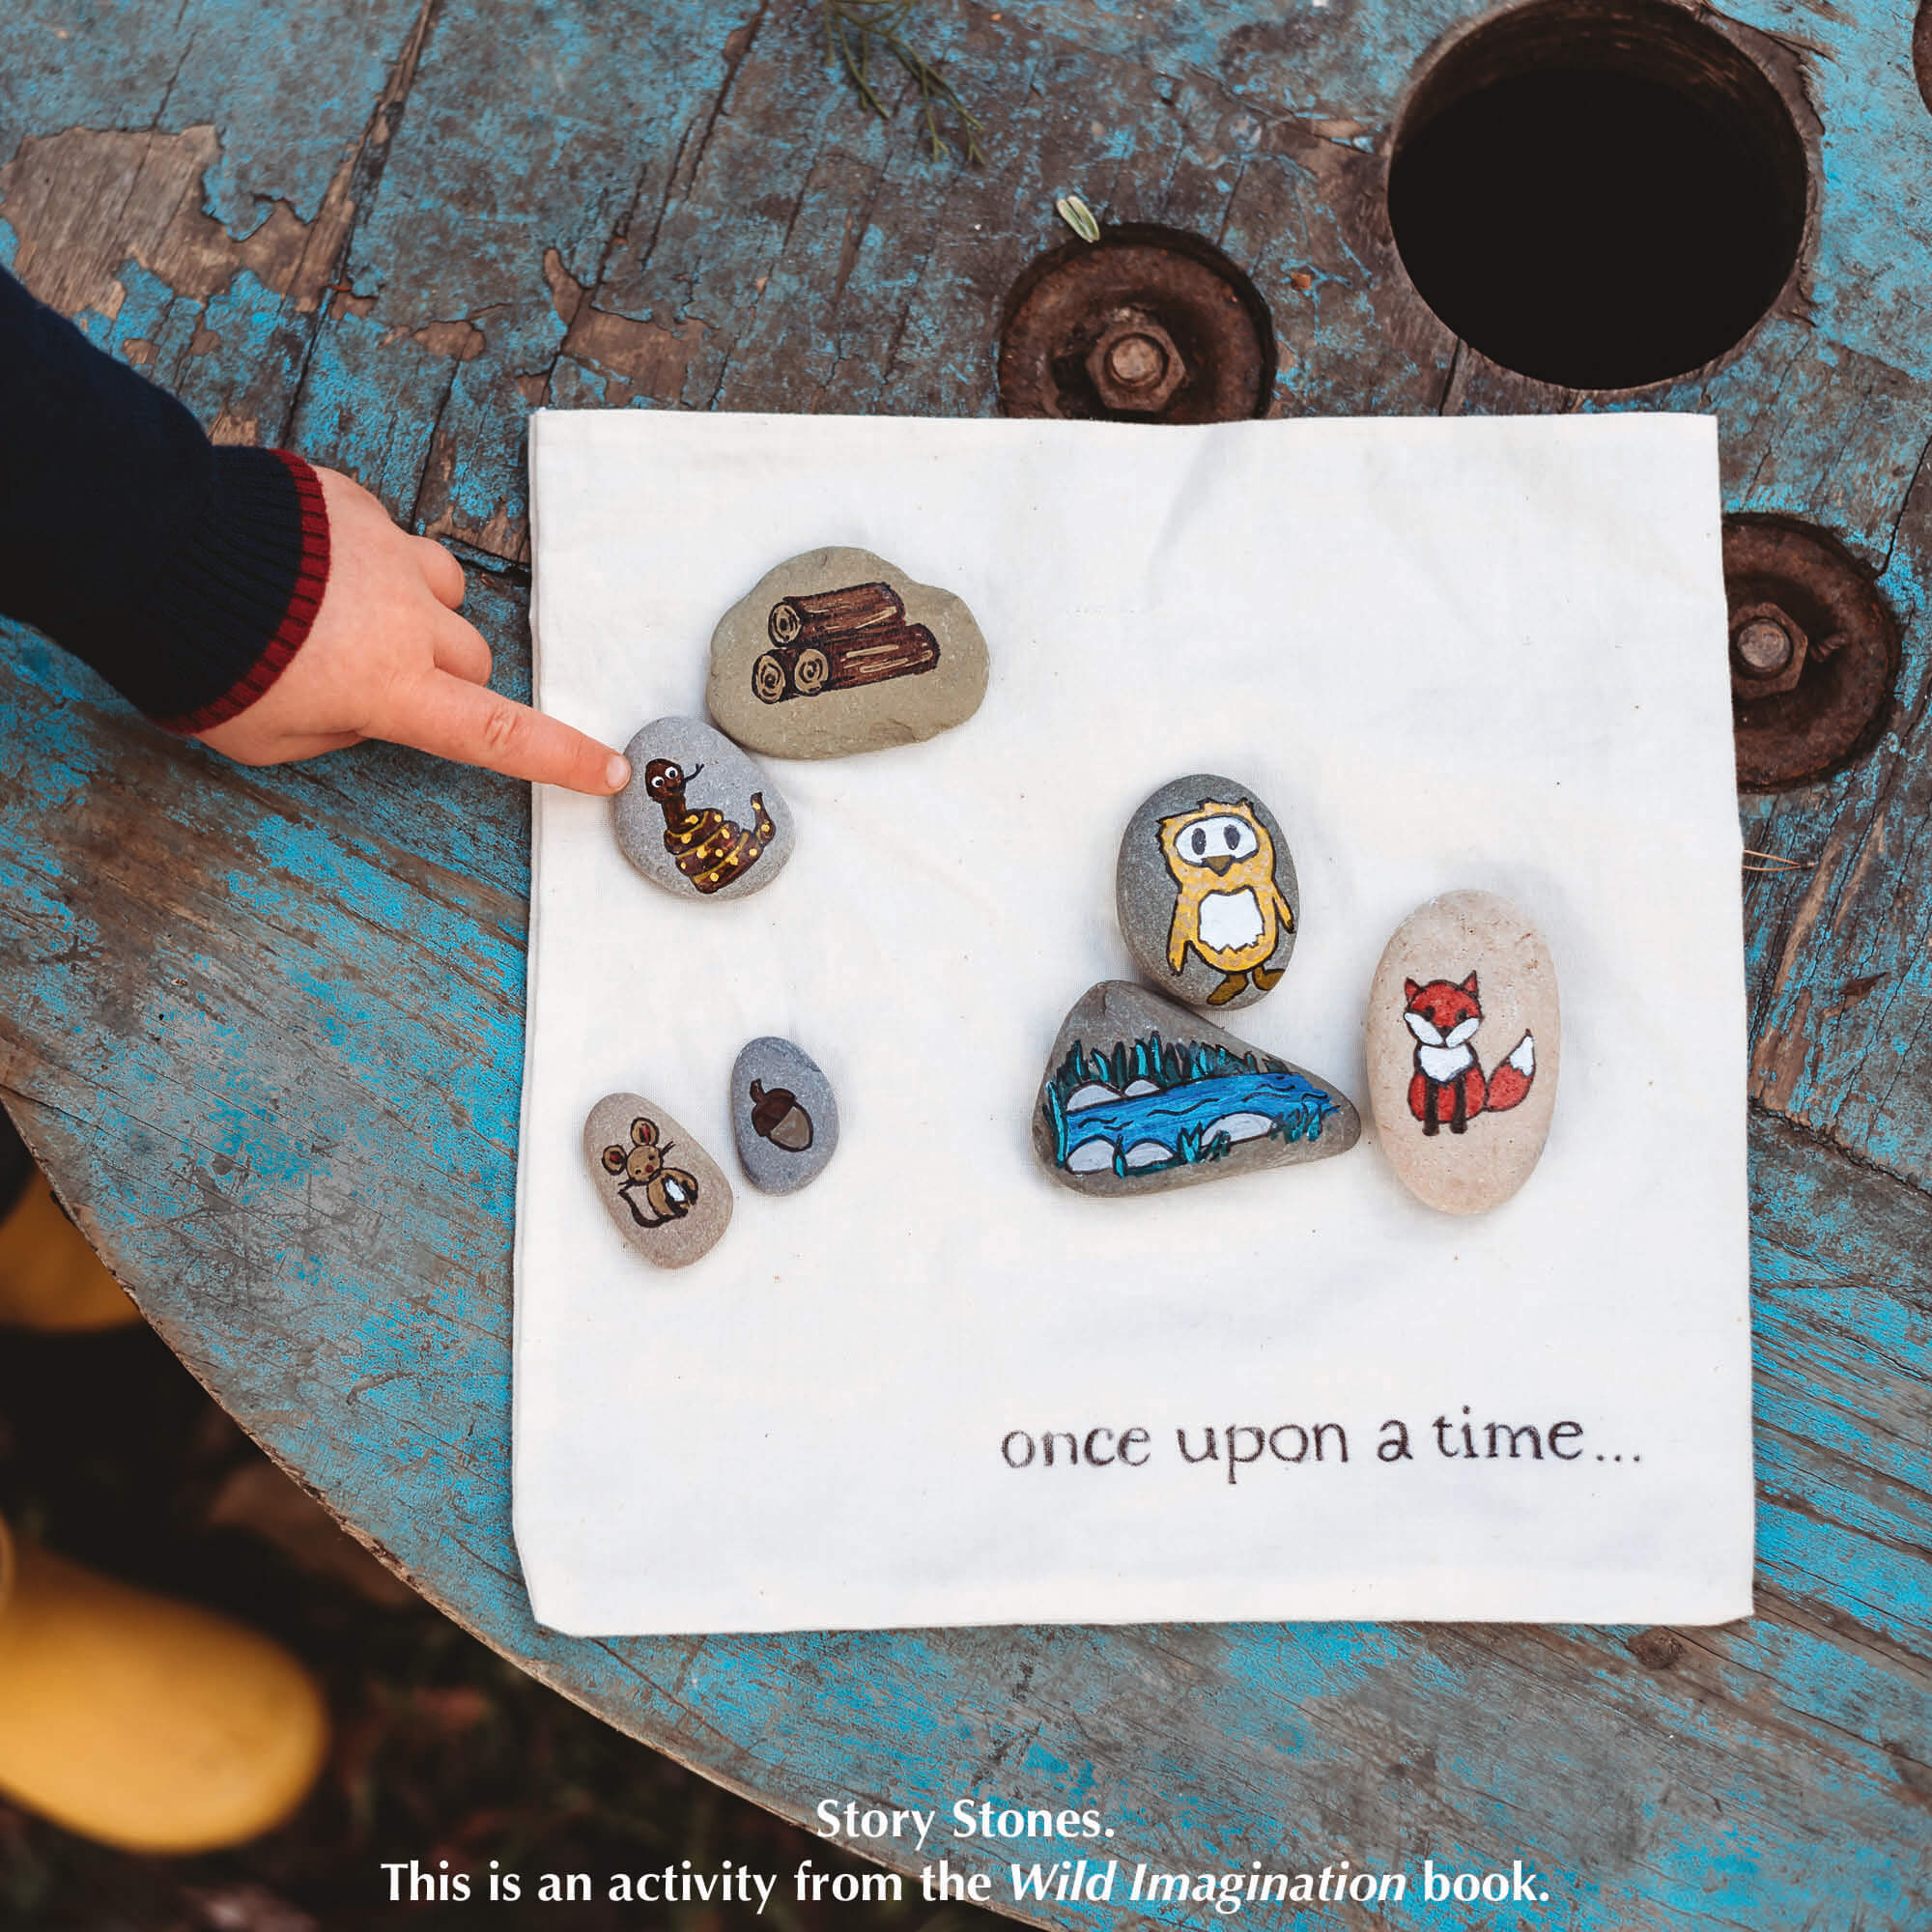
1598	194
1147	325
1921	52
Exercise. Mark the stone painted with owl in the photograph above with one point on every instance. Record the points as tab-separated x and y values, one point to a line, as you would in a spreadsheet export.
1206	891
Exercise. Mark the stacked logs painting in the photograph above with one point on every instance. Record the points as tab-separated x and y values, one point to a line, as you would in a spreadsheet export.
834	639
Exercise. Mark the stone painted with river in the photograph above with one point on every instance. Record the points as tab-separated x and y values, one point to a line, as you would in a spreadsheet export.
1206	892
665	1195
1463	1038
1140	1096
840	651
698	817
783	1116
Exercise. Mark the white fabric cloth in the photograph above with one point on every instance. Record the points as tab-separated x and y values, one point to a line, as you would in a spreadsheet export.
1447	654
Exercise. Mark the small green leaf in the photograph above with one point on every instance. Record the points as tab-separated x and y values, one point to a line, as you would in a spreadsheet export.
1078	216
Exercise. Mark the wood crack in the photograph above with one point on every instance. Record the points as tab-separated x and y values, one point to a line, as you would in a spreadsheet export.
1830	1143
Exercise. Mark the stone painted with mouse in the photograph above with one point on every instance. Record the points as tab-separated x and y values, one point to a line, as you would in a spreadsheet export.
839	651
1141	1094
1206	892
666	1197
698	817
1463	1039
783	1115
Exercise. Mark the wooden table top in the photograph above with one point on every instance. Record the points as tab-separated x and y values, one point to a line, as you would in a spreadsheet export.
264	1028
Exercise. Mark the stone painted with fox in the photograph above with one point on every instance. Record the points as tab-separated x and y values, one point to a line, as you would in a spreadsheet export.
1463	1039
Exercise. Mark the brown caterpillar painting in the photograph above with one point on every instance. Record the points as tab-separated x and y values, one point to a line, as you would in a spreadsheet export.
708	848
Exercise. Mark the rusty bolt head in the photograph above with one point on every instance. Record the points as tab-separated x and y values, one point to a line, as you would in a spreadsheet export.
1134	363
1795	729
1767	650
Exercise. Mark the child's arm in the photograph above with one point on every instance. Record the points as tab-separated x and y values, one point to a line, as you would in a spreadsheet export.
238	595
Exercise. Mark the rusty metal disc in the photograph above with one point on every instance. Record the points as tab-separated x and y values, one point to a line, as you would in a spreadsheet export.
1148	325
1814	652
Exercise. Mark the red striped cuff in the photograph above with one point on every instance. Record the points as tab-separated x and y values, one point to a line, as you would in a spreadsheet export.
292	633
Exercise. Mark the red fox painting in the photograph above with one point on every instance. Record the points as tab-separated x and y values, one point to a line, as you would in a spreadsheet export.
1449	1087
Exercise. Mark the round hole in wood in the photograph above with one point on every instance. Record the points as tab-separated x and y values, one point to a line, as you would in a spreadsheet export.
1147	325
1598	193
1921	52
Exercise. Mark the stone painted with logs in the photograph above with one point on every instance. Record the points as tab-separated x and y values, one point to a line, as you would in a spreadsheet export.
839	651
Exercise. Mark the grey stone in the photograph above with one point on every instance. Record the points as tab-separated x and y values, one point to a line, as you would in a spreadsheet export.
783	1115
666	1197
839	651
1141	1094
1206	893
698	817
1463	1039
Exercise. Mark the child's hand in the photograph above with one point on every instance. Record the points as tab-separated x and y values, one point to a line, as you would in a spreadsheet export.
387	657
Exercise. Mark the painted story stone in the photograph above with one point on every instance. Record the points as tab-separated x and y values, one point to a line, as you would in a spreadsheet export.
1206	892
783	1115
839	651
666	1197
1463	1038
698	817
1141	1094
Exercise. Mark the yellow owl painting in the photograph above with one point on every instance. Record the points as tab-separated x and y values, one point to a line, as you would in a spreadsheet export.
1229	909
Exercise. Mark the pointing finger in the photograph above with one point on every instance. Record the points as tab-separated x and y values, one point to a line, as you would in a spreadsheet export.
475	725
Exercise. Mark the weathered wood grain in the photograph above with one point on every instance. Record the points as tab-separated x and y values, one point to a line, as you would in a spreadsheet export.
265	1028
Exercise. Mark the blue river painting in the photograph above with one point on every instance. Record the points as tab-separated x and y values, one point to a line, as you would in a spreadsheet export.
1150	1105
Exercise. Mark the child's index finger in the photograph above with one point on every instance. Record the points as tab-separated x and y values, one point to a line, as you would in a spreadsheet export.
475	725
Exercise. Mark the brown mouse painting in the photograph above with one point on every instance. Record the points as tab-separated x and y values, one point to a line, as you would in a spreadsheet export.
669	1192
669	1214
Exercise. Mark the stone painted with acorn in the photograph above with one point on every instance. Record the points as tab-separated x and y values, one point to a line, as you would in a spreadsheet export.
839	651
1141	1094
698	817
783	1115
1206	892
1463	1039
666	1197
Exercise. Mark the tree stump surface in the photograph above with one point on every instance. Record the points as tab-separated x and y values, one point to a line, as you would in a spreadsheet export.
264	1028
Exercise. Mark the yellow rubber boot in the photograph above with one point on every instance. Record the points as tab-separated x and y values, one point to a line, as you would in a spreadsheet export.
143	1722
50	1278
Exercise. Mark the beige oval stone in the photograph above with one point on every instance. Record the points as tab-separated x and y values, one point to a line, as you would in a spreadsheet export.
839	651
1463	1038
666	1197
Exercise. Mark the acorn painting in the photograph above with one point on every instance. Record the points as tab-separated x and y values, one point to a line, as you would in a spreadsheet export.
776	1117
783	1115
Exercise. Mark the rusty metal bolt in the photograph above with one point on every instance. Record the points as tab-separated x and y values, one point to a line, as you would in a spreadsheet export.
1206	351
1135	364
1767	650
1829	703
1765	647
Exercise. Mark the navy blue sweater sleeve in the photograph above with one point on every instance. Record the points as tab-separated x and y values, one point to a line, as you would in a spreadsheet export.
185	574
